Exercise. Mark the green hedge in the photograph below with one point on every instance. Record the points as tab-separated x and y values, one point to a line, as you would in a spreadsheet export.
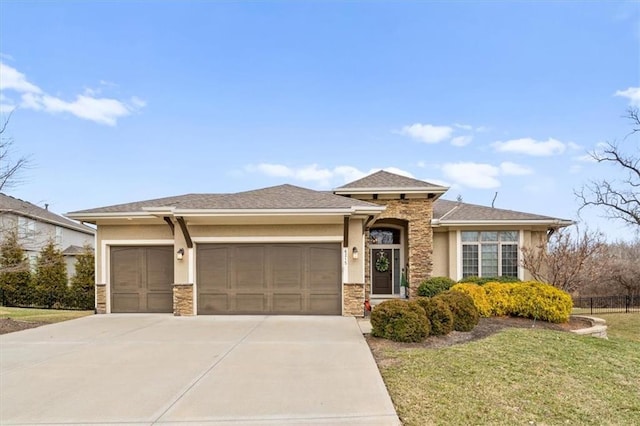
435	285
465	313
400	321
485	280
439	315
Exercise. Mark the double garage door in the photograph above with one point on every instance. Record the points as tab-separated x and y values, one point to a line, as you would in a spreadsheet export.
233	279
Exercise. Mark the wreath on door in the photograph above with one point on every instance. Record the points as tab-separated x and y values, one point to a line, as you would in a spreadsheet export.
382	262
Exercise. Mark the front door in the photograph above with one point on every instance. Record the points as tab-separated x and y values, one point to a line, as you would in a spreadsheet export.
386	260
382	276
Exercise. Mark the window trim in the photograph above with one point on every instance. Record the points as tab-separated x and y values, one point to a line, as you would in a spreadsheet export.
460	243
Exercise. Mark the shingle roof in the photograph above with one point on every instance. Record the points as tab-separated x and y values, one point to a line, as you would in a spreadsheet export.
446	210
275	197
20	207
384	179
73	250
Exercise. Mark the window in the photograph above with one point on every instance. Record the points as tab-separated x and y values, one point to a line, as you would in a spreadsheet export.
26	228
489	254
385	236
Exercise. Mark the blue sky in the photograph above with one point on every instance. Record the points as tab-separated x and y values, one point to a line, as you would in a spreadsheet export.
124	101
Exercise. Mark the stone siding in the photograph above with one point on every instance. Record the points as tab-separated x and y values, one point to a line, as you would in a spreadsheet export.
182	299
101	298
417	213
353	299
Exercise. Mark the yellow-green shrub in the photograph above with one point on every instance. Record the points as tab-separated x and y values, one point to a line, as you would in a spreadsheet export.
541	301
500	297
478	295
529	299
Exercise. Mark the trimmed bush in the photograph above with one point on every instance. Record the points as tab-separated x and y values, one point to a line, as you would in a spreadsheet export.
439	315
465	313
500	298
478	295
541	301
435	285
400	321
484	280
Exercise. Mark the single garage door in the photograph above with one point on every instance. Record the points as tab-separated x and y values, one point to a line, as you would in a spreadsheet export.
290	279
141	279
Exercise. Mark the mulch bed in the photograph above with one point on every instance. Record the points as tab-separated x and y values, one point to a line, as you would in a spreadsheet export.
7	325
486	327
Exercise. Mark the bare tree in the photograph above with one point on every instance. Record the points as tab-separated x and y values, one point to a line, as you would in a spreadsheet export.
9	166
566	260
624	267
619	199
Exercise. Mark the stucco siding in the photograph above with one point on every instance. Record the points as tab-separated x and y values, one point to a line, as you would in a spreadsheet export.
334	230
440	254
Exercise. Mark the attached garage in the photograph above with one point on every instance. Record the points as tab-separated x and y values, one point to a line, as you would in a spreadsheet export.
292	279
141	279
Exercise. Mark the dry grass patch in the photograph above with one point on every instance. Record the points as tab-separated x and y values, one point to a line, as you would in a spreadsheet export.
16	319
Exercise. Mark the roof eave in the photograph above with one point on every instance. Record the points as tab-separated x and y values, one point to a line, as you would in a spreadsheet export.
555	223
152	212
393	190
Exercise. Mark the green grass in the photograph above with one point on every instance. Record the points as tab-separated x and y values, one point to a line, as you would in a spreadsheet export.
519	376
41	315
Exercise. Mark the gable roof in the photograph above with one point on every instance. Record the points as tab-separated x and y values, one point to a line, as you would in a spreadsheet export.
382	181
452	212
281	197
9	204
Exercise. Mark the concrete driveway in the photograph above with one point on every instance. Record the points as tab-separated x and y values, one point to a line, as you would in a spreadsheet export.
147	369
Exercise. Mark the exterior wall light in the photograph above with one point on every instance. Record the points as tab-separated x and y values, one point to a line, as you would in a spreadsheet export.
354	253
180	254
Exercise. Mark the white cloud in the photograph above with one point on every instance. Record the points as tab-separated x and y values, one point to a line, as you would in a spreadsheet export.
529	146
461	140
512	169
463	126
427	133
472	175
12	79
87	106
322	177
574	146
632	93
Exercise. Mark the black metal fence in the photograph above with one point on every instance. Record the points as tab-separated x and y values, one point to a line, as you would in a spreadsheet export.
608	304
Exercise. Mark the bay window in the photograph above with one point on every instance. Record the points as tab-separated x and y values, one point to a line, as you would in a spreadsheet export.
489	253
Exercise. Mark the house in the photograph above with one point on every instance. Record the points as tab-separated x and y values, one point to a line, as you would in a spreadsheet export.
291	250
36	226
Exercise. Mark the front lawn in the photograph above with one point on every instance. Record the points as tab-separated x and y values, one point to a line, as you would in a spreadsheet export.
40	315
519	376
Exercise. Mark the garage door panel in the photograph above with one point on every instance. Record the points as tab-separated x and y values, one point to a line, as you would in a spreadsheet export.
126	302
319	304
287	268
249	303
127	273
141	279
270	278
210	303
288	303
159	268
214	272
249	266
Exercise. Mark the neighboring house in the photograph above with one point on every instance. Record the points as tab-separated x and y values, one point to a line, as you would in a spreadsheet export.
36	226
291	250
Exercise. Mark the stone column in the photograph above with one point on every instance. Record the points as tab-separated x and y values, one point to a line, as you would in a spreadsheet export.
182	299
101	298
353	296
